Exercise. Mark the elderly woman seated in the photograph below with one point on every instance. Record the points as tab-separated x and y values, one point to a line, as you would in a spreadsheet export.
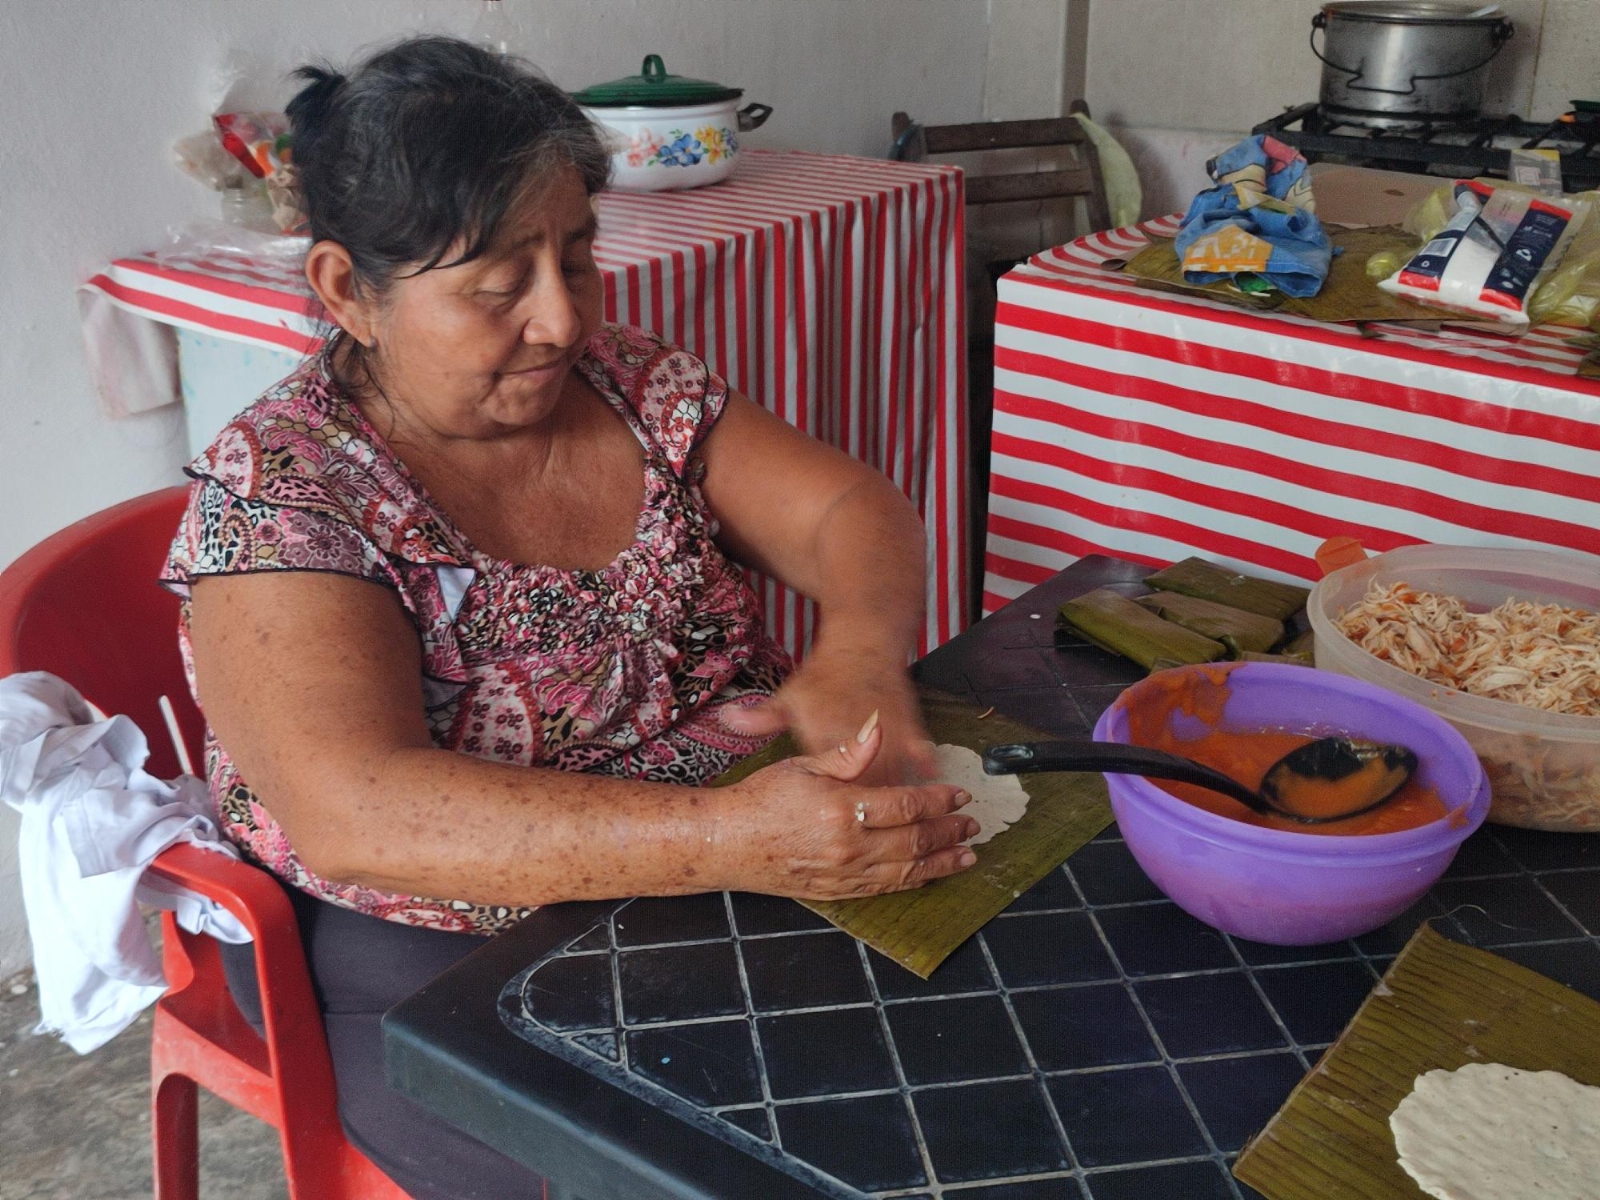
464	605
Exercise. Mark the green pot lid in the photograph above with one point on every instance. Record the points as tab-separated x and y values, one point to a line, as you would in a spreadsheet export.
654	88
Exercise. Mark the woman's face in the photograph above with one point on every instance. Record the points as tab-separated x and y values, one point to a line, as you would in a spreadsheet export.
484	348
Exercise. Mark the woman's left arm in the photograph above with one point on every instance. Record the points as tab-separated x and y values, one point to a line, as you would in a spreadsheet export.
841	533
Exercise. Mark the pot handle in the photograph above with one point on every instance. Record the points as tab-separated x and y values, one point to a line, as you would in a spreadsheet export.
1503	29
753	116
1320	21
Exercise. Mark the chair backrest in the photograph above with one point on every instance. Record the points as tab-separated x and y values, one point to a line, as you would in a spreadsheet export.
914	142
84	604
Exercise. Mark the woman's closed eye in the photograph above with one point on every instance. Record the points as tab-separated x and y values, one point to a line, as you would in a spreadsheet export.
503	288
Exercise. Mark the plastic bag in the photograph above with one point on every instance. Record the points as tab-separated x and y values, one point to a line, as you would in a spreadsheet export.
1500	244
1124	197
1432	213
1571	296
202	156
259	140
202	240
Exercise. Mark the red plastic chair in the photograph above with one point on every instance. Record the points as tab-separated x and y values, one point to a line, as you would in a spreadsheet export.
84	605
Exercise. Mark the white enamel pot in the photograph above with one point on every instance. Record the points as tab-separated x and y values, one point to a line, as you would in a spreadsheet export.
666	132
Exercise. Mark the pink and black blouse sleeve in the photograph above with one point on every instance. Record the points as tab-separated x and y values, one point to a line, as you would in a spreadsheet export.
248	514
672	394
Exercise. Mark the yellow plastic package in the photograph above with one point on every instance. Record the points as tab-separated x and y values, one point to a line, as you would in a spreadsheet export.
1571	296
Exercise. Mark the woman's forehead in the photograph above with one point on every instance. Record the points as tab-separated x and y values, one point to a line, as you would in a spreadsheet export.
557	209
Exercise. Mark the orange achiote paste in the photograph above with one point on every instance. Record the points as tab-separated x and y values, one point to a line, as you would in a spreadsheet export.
1245	755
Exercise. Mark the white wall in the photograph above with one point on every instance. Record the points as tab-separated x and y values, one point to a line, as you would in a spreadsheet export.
1179	80
94	92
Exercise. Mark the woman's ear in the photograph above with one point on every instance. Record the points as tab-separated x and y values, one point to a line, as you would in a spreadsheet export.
332	276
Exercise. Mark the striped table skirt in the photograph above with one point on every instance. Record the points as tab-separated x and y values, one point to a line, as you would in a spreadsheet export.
1154	426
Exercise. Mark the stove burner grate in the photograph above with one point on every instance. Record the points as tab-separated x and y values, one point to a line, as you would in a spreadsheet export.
1476	147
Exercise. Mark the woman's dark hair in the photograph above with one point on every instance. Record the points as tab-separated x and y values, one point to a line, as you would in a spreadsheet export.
425	147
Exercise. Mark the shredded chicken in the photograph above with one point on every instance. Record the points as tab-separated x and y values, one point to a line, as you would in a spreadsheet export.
1542	656
1539	655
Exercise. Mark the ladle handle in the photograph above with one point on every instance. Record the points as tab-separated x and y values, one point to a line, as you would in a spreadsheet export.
1020	758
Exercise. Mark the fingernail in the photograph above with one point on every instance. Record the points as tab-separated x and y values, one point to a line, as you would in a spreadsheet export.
866	730
970	829
963	799
966	858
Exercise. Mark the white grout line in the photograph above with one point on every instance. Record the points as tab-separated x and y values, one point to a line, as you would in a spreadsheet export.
904	1090
750	1024
1027	1049
1155	1038
616	989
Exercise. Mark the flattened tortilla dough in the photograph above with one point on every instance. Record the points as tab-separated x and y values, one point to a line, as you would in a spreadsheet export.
998	801
1492	1132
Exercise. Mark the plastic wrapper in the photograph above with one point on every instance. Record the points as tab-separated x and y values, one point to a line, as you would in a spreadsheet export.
1432	213
202	156
1571	296
259	140
283	192
203	240
1384	264
1494	252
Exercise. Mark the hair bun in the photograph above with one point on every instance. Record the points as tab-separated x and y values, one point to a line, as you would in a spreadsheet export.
308	110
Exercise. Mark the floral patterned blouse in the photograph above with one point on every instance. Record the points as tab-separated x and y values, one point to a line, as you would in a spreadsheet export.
621	671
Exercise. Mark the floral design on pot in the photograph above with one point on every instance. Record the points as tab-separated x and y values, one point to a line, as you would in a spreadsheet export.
708	144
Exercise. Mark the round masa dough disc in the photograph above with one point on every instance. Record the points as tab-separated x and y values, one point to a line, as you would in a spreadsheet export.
998	801
1492	1132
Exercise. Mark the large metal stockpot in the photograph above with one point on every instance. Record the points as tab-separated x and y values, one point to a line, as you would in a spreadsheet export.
1398	63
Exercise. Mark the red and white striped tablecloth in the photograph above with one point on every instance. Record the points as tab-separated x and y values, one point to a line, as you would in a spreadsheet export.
1154	426
828	289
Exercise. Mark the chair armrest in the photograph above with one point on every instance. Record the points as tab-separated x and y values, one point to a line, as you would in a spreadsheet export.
288	1004
249	893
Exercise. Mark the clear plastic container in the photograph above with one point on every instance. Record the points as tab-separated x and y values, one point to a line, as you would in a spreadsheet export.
1543	767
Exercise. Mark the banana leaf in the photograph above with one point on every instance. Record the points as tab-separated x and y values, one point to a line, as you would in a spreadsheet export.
1440	1005
1196	577
1235	628
1111	621
919	929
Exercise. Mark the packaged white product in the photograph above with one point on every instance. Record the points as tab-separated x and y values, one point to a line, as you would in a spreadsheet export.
1492	255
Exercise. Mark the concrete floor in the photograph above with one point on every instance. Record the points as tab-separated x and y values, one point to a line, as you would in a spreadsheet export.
78	1128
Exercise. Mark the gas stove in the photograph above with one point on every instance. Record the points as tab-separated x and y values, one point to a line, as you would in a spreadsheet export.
1477	147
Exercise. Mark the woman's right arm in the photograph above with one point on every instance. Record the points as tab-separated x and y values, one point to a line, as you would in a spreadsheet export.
313	683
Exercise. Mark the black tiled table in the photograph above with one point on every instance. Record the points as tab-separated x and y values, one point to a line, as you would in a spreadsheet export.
1092	1043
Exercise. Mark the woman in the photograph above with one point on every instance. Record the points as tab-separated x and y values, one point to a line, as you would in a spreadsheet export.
559	649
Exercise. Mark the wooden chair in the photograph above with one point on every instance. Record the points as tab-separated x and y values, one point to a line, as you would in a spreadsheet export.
1080	178
914	143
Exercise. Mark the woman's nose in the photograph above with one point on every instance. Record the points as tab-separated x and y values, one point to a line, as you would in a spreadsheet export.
555	319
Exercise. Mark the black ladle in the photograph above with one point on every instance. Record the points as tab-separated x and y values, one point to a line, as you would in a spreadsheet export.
1329	779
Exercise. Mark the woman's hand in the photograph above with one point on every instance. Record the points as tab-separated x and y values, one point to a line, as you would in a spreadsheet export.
831	695
804	828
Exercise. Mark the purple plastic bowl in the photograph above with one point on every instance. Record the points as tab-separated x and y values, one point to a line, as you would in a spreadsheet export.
1283	887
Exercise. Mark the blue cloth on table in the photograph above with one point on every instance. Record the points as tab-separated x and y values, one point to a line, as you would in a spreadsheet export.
1259	219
